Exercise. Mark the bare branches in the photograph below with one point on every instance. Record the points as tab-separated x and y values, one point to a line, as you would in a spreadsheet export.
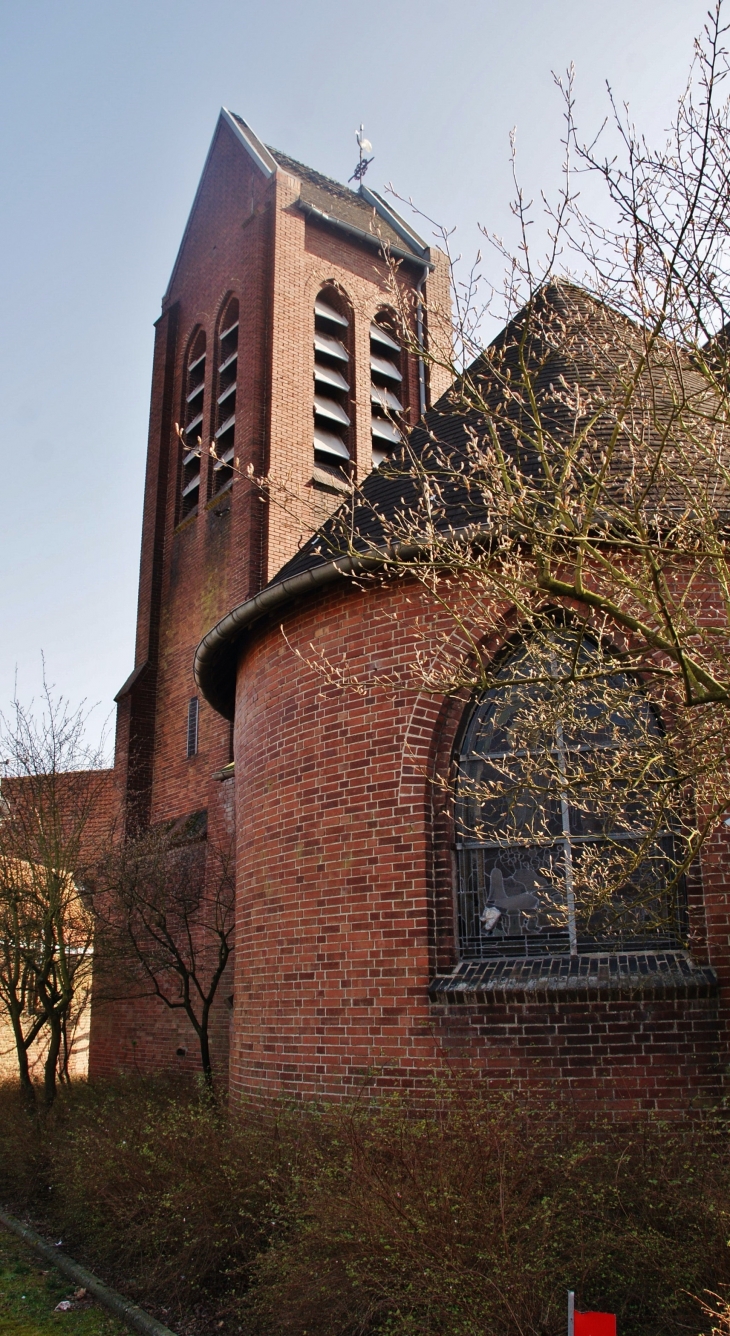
164	904
48	843
577	476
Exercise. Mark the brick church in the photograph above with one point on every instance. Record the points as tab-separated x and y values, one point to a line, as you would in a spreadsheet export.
359	956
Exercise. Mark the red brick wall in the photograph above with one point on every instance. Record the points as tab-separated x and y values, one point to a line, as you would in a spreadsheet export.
245	237
345	902
131	1029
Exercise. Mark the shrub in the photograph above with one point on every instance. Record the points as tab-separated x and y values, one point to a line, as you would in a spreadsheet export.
474	1218
152	1185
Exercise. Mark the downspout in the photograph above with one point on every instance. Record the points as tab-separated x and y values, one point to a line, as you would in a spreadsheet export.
419	336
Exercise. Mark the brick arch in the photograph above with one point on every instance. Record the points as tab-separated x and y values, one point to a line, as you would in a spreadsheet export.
449	719
195	329
220	309
317	279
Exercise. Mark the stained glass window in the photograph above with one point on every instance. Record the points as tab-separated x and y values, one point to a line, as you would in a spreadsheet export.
564	812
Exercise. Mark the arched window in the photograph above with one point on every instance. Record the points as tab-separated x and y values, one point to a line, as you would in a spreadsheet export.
194	425
564	808
332	382
386	379
225	407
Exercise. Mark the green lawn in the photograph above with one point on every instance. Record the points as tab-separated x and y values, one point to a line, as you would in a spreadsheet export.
29	1292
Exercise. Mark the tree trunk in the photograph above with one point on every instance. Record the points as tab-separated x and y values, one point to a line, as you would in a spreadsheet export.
51	1066
205	1052
26	1085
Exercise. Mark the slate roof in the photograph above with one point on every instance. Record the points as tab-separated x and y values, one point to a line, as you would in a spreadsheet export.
579	352
345	205
340	202
575	343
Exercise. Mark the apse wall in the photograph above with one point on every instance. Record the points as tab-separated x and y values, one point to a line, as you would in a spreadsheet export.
346	949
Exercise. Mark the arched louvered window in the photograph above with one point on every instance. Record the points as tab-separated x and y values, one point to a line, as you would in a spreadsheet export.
193	419
225	408
564	810
386	380
332	384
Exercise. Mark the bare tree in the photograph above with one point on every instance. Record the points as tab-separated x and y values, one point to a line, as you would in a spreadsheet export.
165	909
50	798
570	496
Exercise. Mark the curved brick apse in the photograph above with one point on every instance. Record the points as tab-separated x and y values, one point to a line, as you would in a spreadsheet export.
346	968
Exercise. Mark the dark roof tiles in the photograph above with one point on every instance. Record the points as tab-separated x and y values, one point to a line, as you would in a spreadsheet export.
339	201
581	354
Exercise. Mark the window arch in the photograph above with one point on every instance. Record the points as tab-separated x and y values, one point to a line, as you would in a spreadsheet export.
332	384
194	408
224	436
386	385
565	805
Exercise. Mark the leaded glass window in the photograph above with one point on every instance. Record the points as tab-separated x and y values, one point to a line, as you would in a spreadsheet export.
564	812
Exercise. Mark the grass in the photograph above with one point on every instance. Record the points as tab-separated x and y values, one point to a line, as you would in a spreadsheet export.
29	1292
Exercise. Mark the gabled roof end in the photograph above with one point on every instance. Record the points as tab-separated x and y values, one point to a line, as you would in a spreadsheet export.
251	142
398	224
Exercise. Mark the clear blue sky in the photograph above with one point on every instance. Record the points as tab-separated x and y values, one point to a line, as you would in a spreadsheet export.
107	109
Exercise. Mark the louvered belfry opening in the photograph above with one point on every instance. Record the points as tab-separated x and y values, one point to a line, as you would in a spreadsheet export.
386	380
193	419
225	407
332	387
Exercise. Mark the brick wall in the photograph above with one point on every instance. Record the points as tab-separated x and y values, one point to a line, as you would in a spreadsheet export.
345	902
246	238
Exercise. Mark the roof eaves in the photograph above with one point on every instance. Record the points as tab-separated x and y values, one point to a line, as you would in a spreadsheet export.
370	238
251	142
398	224
215	657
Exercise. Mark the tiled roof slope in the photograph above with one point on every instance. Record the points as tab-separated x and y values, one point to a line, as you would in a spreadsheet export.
339	201
575	342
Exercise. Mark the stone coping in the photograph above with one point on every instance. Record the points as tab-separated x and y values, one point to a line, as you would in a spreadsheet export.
603	976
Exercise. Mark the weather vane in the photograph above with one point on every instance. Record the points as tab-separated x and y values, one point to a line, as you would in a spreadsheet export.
365	147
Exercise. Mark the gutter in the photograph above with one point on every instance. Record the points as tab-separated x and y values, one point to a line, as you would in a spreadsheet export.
370	238
214	666
216	658
398	224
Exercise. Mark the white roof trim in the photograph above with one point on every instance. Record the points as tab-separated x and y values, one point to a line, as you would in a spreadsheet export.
251	142
396	222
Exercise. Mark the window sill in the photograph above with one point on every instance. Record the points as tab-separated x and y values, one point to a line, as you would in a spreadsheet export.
632	974
325	481
186	522
218	496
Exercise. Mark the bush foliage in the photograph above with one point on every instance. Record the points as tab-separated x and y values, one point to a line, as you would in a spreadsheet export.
475	1218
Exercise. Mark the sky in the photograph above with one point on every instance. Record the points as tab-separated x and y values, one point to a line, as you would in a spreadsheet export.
107	108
